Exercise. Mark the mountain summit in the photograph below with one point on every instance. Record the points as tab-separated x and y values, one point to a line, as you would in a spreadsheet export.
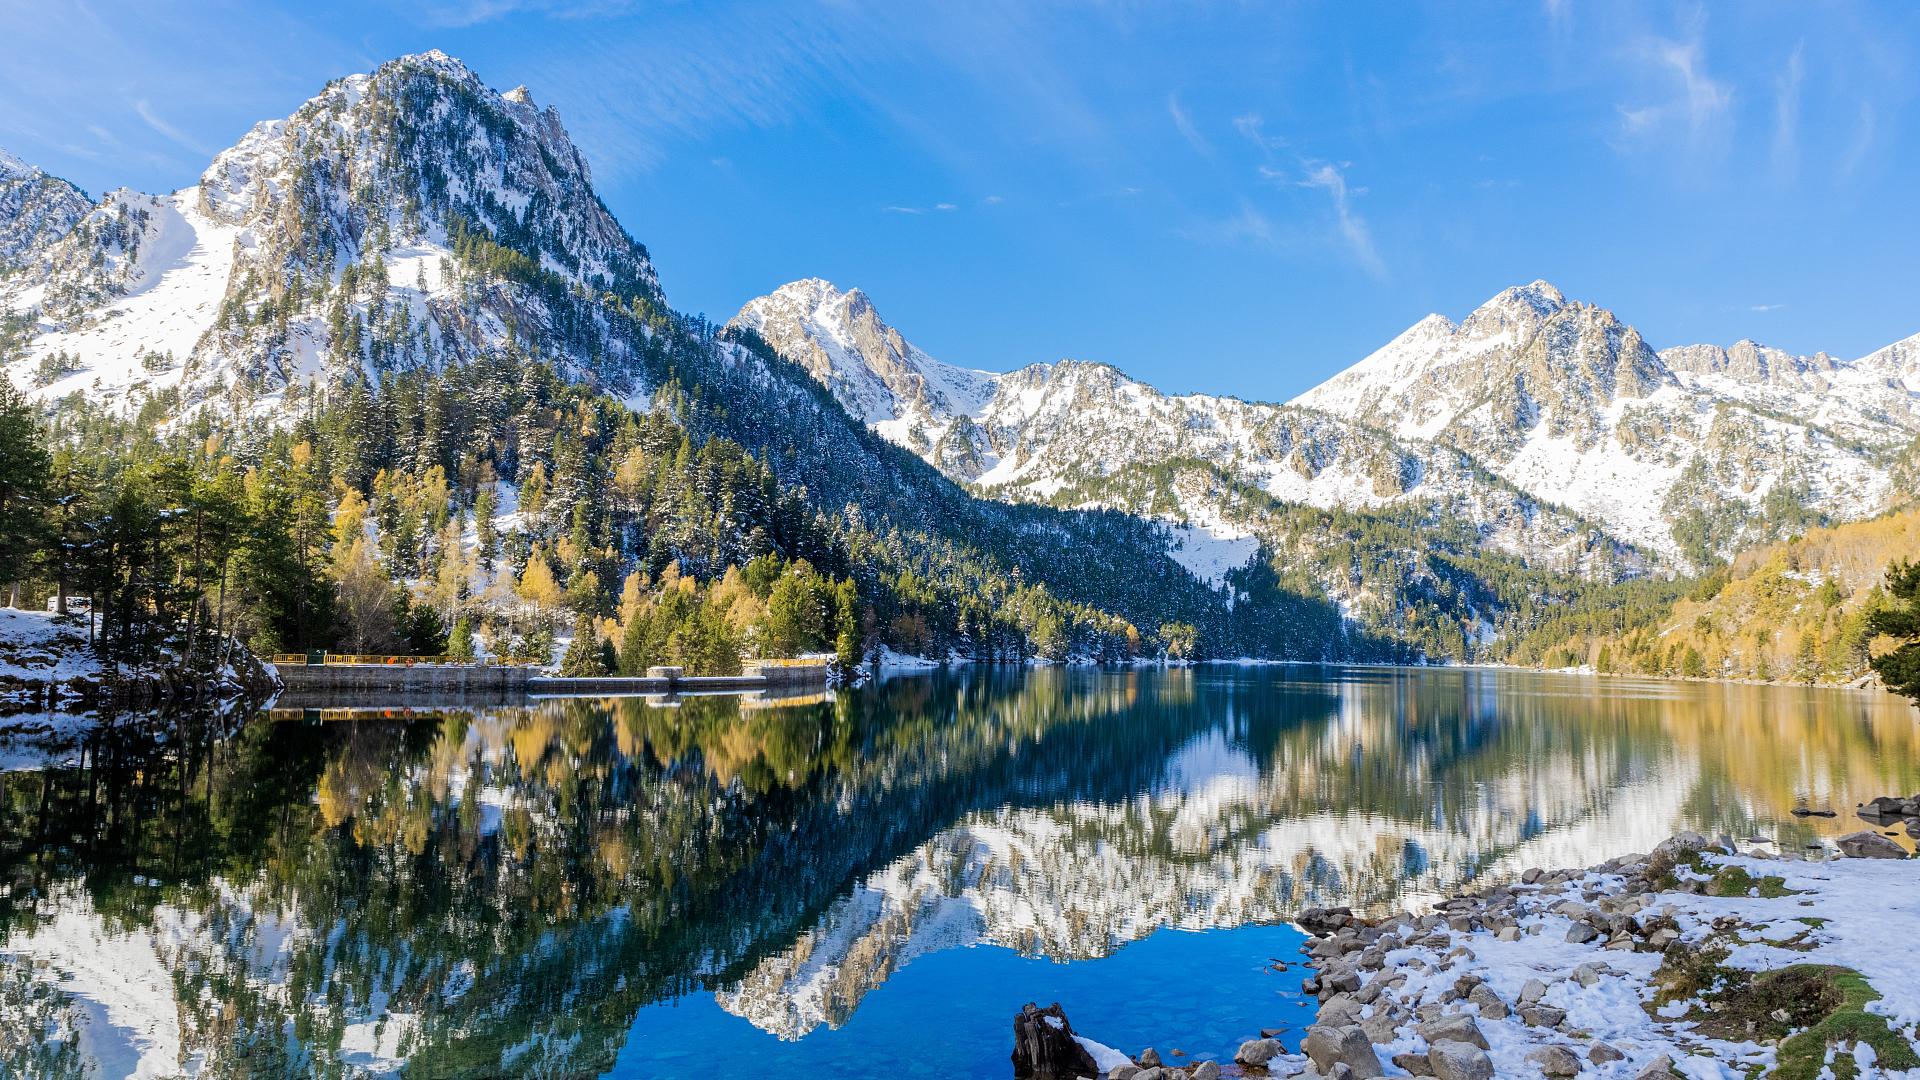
876	374
263	275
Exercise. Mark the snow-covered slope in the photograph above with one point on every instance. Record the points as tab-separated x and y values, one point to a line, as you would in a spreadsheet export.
1570	404
155	272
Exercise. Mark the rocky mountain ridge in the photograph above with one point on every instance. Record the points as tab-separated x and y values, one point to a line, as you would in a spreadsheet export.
1533	405
35	210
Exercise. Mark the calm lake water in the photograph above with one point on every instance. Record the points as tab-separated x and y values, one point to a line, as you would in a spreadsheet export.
864	883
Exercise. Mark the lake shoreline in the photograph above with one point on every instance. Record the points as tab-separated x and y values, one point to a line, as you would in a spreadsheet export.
1643	966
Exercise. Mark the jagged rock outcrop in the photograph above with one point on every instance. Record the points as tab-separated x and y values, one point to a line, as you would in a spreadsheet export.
36	210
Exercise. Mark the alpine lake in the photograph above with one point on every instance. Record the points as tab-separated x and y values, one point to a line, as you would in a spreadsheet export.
866	882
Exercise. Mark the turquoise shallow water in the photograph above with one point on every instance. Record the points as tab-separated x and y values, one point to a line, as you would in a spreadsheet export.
862	883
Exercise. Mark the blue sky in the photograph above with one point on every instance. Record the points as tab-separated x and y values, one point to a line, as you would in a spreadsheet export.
1238	197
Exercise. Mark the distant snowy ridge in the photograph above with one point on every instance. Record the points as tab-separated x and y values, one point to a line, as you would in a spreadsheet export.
877	375
1534	410
1567	402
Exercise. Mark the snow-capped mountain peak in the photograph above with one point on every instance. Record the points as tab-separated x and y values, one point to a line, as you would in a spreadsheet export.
415	172
874	372
12	168
1531	400
36	210
1898	362
1523	304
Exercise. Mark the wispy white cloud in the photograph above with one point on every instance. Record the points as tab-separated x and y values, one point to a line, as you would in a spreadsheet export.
1766	307
1864	131
1786	115
1253	128
1353	228
1696	104
1183	123
173	134
936	208
1315	174
1247	224
629	98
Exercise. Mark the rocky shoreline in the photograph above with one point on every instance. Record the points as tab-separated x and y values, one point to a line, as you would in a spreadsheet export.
1702	959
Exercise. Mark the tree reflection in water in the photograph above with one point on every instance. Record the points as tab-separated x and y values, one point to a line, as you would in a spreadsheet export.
501	890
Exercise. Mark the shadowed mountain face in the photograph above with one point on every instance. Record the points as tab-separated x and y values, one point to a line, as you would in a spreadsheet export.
502	890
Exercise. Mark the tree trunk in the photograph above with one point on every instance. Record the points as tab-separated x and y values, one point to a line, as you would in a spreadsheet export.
1044	1047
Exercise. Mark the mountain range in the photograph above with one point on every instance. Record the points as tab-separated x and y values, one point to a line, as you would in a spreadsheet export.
1542	412
412	220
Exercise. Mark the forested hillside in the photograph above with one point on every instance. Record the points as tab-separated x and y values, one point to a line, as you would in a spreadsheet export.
1797	610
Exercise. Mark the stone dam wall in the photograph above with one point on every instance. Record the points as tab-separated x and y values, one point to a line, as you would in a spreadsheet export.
488	681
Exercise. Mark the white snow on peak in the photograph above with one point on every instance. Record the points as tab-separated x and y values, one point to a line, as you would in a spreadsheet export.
438	61
878	375
1539	297
1899	362
12	168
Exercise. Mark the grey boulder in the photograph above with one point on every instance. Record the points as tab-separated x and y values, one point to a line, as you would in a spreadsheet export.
1456	1028
1555	1061
1453	1060
1257	1051
1328	1046
1867	844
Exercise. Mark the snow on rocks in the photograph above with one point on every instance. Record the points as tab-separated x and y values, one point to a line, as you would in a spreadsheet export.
39	649
1695	961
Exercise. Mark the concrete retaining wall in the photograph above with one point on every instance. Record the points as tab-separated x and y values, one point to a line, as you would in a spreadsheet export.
787	674
400	678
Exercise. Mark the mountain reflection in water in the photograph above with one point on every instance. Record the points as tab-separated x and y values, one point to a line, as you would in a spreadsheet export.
509	890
